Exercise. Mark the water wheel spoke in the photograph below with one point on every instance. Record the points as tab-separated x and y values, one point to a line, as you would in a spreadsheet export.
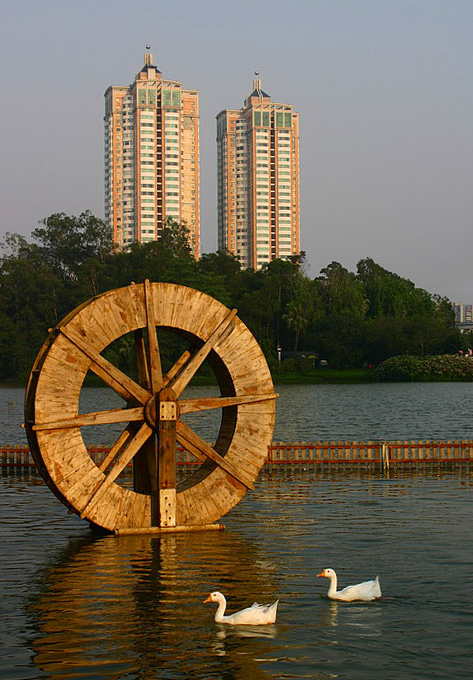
222	331
125	436
141	360
203	451
118	381
156	373
115	415
204	404
177	367
124	454
128	449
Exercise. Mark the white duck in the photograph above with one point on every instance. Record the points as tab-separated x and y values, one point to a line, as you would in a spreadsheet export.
257	614
366	591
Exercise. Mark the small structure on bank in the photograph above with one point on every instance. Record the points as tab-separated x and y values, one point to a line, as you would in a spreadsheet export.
150	421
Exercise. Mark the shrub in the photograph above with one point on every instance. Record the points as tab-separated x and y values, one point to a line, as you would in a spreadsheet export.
449	367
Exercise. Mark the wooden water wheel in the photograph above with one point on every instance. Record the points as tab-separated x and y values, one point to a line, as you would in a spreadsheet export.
154	404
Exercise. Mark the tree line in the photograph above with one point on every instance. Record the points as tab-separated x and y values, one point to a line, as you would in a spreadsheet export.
347	319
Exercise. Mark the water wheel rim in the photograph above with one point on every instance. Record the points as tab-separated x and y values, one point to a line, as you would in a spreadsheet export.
57	378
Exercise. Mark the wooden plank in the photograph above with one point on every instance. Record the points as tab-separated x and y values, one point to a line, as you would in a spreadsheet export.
184	529
115	314
141	361
167	458
145	471
118	415
116	379
176	368
107	512
132	509
204	404
64	461
243	456
90	326
197	505
132	300
225	326
125	437
125	455
169	300
81	477
106	321
57	448
217	494
156	373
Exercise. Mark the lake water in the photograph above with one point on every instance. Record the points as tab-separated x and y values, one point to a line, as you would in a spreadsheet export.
77	605
306	412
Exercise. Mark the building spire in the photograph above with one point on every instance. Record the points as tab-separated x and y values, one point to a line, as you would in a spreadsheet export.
148	56
257	85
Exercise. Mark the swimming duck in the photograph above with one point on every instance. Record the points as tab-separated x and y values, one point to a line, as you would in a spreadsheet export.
257	614
366	591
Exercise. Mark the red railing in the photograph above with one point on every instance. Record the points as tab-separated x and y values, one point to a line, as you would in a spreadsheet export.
385	453
303	453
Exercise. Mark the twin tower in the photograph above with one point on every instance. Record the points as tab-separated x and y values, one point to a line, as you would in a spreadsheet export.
152	168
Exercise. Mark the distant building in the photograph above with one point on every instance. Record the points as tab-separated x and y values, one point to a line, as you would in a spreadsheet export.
151	157
258	180
463	316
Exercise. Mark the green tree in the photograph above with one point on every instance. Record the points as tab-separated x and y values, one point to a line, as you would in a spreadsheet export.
265	299
304	308
347	318
343	292
175	238
339	332
67	242
391	295
404	319
32	299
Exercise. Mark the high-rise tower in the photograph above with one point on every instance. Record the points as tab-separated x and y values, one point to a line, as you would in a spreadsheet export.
151	157
258	180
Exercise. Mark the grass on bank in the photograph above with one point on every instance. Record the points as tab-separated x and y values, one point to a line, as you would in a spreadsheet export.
445	368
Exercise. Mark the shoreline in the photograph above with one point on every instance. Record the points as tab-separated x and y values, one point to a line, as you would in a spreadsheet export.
323	376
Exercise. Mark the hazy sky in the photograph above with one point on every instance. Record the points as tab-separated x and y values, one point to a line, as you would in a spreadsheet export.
384	89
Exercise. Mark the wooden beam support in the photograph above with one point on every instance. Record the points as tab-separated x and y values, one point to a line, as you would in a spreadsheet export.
124	455
116	379
145	462
204	404
156	373
182	529
116	415
125	436
141	361
223	329
174	370
201	450
167	416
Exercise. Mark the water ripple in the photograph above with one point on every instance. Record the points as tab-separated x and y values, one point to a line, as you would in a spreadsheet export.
75	605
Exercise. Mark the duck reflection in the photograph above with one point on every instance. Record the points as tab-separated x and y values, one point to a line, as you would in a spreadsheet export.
244	648
224	632
363	615
114	607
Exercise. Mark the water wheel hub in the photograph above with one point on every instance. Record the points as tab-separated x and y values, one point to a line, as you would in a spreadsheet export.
162	407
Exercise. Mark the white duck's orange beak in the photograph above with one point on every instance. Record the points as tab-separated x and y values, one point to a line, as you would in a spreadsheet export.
322	573
209	599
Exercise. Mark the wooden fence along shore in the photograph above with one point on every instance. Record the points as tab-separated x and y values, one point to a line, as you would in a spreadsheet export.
384	454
